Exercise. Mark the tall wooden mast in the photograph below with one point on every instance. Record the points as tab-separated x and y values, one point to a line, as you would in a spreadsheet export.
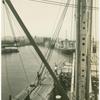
88	82
83	49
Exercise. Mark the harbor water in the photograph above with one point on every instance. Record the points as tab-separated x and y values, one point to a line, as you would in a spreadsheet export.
20	69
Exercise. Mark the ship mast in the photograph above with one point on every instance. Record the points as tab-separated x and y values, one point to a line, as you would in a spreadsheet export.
82	52
88	82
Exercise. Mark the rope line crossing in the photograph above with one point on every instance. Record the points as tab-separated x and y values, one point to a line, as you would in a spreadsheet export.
14	36
61	4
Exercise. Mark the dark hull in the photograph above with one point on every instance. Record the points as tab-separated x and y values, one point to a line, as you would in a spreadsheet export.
6	51
66	51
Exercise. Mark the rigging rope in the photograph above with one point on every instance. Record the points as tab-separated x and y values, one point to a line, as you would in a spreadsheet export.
71	32
13	33
22	63
95	36
41	96
58	30
6	67
4	23
27	79
7	76
32	53
36	91
18	48
56	33
61	4
51	50
95	22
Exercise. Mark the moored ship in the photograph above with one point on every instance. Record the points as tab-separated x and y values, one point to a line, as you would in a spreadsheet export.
6	50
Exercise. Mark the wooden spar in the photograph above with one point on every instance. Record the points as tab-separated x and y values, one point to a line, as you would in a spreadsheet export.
37	49
81	51
72	80
77	51
88	74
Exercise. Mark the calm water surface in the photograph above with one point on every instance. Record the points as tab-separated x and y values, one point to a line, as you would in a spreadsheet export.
13	75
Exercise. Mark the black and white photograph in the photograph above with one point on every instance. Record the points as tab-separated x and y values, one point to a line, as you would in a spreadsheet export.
50	49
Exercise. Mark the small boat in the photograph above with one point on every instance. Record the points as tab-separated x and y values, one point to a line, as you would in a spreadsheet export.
6	50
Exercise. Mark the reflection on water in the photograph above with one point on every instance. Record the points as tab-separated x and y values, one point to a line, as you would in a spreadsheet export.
13	75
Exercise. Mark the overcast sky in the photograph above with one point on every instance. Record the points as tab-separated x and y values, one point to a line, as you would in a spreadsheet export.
41	19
